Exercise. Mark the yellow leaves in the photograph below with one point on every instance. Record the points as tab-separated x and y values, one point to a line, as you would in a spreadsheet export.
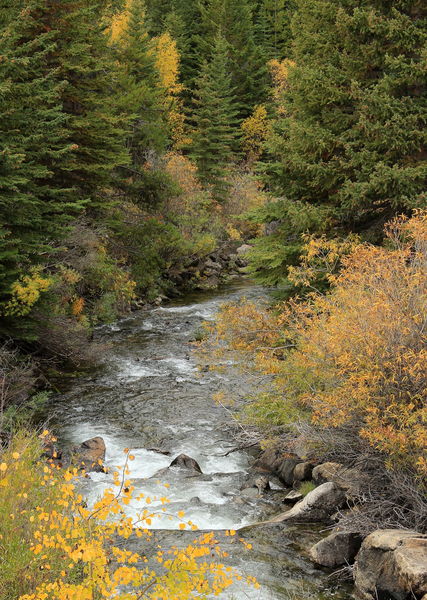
167	62
279	71
255	130
26	292
357	354
66	548
77	307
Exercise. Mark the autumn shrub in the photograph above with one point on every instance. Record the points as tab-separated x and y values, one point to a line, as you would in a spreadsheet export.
354	357
55	547
17	381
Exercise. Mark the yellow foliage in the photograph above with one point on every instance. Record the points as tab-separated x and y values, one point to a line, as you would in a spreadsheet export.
279	71
54	547
320	258
255	130
356	355
119	22
167	62
26	292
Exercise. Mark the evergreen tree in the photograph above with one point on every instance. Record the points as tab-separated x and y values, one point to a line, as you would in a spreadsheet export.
142	99
234	20
185	26
157	12
348	143
140	94
272	19
82	58
35	202
215	116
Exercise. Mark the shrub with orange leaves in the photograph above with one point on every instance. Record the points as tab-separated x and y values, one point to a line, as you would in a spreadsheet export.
55	547
355	356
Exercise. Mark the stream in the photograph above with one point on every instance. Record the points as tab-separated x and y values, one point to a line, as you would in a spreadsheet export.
149	393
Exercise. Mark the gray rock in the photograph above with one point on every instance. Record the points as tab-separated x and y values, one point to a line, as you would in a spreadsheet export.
318	505
186	462
293	497
213	265
251	492
392	562
339	548
260	482
269	460
303	471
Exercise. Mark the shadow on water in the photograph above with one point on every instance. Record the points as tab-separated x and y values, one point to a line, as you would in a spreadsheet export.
149	393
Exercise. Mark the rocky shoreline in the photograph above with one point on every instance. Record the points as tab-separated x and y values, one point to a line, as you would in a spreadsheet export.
386	564
205	273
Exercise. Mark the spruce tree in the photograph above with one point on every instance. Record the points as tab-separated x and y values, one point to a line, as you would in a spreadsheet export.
215	116
140	94
141	99
234	20
36	203
348	143
272	19
82	59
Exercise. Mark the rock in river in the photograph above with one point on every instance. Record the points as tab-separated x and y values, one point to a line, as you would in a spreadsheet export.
318	505
186	462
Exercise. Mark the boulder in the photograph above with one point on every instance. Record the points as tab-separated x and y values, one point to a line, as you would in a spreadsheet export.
303	447
269	460
318	505
392	563
186	462
285	470
339	548
303	471
213	265
90	454
351	480
251	492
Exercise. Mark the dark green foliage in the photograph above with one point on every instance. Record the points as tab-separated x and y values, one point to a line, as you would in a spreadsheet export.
35	201
215	120
233	19
351	139
141	99
272	19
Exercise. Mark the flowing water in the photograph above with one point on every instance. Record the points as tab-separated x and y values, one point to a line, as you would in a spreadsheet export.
149	393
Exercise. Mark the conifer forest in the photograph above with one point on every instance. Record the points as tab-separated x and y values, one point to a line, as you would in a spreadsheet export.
213	300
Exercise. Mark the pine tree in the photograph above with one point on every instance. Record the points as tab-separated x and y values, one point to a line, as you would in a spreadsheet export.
234	20
157	12
140	94
348	141
143	101
35	202
82	58
272	19
215	115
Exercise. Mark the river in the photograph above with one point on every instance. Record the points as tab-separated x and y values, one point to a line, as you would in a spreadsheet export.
149	393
